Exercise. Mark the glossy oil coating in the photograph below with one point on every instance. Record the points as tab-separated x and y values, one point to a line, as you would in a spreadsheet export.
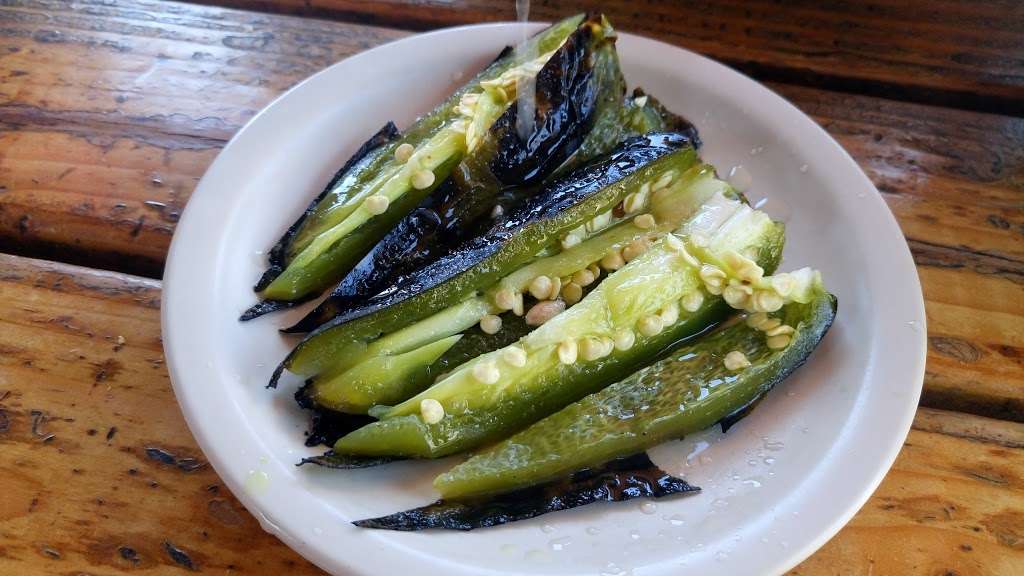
622	479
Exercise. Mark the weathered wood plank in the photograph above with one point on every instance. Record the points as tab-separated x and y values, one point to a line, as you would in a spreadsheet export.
86	410
953	503
86	144
80	357
950	52
110	114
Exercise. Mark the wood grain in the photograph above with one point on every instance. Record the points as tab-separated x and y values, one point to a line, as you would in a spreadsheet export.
951	505
949	52
102	477
110	113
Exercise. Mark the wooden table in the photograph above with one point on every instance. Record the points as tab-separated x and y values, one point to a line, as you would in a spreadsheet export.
111	110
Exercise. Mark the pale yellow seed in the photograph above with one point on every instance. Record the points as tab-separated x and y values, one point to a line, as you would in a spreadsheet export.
651	325
624	339
567	351
497	211
766	301
490	324
556	288
469	99
734	259
613	260
376	204
600	221
713	278
572	293
770	324
673	243
750	272
486	372
403	152
783	284
664	180
505	299
756	320
514	356
541	312
591	348
640	102
692	301
778	342
583	277
778	330
471	136
634	249
422	179
634	202
644	222
670	313
595	270
570	240
431	411
746	269
736	360
609	345
737	296
540	287
517	304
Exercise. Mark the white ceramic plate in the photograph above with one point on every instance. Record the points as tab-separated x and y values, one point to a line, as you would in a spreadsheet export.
777	487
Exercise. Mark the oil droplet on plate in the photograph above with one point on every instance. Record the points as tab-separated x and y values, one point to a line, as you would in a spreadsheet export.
774	446
593	530
740	178
914	325
559	544
677	520
257	482
547	528
721	556
634	534
803	168
648	507
613	569
719	503
769	460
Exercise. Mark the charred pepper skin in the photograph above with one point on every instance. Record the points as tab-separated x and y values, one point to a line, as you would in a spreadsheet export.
649	288
338	232
616	481
540	222
501	172
276	258
694	387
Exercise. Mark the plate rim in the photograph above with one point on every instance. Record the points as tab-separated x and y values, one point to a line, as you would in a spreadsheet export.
175	270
